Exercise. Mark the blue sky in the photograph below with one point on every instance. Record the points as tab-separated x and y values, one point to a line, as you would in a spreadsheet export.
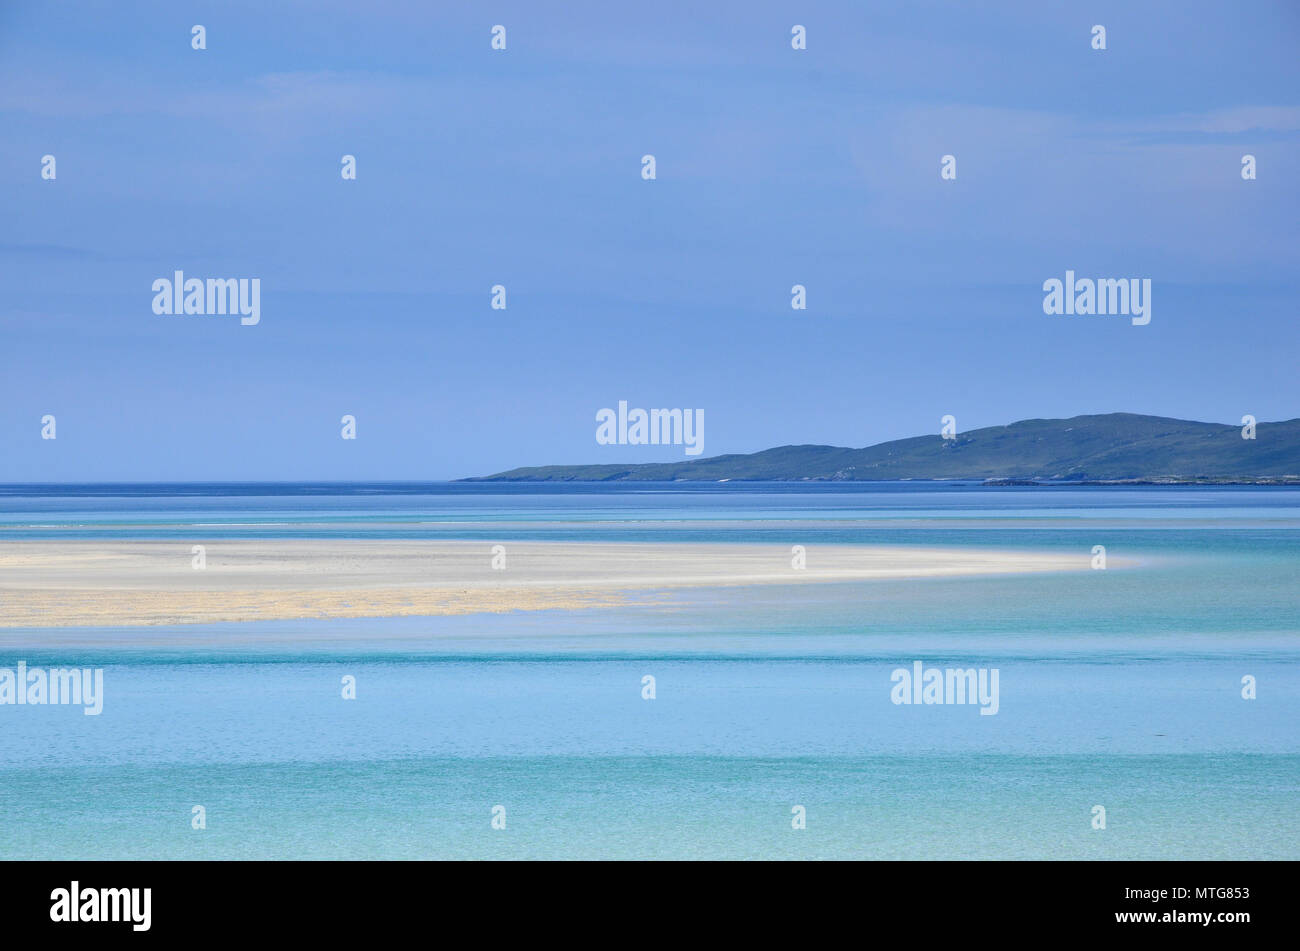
522	167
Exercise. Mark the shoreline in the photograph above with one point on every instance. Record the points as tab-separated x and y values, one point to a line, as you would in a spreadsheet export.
135	583
308	489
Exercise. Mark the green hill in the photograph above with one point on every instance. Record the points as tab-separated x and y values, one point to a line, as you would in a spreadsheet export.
1115	447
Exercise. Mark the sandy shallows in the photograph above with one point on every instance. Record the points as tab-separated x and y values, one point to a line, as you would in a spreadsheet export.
67	584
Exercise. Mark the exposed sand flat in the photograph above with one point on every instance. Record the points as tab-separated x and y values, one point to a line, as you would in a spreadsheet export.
113	582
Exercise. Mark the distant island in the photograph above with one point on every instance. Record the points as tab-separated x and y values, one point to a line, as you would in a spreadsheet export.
1114	448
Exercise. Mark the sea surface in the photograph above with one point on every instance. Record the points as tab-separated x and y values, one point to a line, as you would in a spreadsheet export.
1120	688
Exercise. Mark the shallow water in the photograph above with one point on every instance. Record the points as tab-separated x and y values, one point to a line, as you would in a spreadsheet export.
1119	688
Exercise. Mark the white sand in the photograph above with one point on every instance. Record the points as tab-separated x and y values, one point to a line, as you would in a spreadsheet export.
112	582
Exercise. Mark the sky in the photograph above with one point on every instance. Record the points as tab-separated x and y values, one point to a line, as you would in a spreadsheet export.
523	167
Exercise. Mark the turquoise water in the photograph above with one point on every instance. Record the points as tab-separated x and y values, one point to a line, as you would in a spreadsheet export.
1119	687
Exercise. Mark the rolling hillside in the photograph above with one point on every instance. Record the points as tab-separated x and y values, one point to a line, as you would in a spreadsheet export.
1115	447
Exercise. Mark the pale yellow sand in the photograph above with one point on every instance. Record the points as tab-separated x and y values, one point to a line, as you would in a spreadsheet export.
111	582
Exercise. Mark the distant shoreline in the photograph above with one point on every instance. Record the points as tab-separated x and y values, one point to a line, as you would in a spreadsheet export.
969	483
307	489
1103	449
